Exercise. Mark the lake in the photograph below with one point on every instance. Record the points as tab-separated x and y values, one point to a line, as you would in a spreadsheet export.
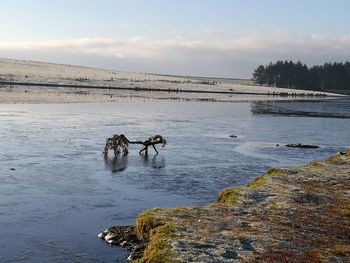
57	191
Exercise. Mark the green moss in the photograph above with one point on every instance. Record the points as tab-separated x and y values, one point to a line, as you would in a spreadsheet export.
262	179
344	209
229	195
211	206
316	164
158	249
341	250
334	158
272	205
258	182
145	222
274	172
348	152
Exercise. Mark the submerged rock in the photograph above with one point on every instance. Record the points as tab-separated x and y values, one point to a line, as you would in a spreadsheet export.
124	236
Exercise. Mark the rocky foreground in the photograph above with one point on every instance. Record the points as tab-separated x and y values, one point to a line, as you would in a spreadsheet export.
297	214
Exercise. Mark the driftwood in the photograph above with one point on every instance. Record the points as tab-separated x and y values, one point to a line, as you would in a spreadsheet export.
119	144
299	145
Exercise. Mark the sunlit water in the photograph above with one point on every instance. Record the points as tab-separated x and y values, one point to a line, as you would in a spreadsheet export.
57	191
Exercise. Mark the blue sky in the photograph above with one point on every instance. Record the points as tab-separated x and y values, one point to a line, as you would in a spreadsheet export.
199	37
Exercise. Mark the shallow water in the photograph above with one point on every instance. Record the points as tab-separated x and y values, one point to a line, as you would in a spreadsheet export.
63	192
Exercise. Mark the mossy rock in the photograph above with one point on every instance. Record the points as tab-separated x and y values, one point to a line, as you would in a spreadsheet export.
342	250
344	209
334	158
272	205
146	222
348	152
180	210
229	195
316	164
262	179
158	249
258	182
274	172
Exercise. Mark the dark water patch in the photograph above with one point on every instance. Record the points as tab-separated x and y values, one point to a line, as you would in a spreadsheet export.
331	108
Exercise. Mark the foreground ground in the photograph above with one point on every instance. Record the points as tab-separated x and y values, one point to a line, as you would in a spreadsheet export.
298	214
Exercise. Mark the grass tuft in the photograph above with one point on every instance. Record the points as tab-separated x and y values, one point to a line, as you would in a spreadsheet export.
316	164
334	158
258	182
158	249
348	152
229	195
146	222
341	250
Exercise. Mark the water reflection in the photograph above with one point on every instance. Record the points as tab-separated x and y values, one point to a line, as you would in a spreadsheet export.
158	162
119	163
331	108
116	164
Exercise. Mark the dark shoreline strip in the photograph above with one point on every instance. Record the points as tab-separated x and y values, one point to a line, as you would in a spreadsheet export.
13	83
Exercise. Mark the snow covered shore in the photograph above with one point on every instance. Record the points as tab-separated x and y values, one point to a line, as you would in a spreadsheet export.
69	83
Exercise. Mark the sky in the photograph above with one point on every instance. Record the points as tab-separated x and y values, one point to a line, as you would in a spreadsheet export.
218	38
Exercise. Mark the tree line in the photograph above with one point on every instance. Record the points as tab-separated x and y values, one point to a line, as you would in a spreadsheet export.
287	74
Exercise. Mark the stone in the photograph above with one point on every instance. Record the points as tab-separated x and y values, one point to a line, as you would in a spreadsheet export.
124	236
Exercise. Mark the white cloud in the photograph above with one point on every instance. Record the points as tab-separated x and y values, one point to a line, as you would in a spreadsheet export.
196	53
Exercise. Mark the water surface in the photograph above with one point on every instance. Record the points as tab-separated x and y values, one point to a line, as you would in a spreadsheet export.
57	191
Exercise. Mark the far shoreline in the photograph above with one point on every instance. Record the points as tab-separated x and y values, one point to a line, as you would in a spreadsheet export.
38	93
38	82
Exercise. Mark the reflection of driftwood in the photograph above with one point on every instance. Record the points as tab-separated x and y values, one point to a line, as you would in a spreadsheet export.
119	144
299	145
116	164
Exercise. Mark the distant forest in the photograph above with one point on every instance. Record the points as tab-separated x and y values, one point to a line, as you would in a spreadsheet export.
329	77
